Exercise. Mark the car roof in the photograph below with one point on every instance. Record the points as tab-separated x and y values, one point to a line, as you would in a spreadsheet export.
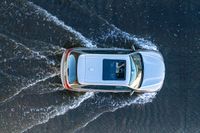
90	69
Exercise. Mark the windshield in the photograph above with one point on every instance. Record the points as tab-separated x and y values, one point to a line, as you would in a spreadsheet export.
136	70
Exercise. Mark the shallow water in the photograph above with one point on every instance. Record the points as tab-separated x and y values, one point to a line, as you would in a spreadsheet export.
33	35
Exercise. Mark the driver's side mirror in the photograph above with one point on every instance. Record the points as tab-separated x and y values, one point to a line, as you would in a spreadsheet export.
133	47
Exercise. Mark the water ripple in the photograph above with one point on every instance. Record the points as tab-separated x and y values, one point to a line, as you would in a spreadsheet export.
61	110
27	86
140	99
50	17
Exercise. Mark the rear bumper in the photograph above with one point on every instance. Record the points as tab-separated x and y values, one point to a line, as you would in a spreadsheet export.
63	69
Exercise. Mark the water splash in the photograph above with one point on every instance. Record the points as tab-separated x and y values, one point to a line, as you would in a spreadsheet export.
27	86
50	17
51	90
52	49
33	53
115	33
61	110
112	32
140	99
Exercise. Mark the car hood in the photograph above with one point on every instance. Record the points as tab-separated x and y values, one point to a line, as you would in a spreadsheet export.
154	71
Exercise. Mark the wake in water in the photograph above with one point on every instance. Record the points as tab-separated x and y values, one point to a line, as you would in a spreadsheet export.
44	113
34	54
60	110
95	106
140	99
104	103
86	42
13	63
26	87
114	33
104	33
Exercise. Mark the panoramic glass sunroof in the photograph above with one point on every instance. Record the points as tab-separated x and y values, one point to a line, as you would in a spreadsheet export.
114	69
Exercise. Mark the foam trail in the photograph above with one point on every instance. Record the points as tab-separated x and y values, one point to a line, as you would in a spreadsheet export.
116	32
53	90
50	17
29	85
91	120
61	110
141	99
28	49
113	33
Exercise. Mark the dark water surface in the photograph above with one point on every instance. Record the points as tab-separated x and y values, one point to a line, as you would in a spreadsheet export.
33	35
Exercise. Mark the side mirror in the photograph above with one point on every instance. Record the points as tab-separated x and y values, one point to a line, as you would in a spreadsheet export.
133	47
131	93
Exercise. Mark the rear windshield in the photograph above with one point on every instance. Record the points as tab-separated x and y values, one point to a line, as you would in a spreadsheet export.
114	69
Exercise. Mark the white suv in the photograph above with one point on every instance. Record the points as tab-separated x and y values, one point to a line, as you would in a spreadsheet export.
112	70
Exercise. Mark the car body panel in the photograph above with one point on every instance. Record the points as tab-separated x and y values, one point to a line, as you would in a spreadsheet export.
154	71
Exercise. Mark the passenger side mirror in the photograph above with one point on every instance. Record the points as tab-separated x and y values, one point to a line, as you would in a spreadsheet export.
131	93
